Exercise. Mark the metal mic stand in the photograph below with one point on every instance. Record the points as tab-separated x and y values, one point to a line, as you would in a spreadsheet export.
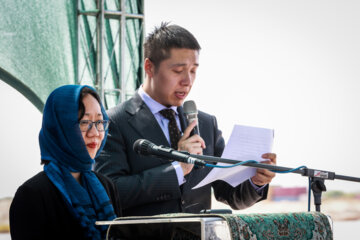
317	186
317	177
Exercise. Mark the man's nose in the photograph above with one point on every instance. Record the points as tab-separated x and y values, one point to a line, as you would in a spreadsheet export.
187	79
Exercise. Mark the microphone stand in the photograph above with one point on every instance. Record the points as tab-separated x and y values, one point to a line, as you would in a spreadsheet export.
316	177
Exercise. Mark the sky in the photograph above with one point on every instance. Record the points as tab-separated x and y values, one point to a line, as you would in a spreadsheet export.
292	66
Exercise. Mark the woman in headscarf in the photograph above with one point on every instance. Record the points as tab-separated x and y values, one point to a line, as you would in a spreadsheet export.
65	200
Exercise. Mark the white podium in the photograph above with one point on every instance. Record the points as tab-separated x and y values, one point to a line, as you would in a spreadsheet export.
168	228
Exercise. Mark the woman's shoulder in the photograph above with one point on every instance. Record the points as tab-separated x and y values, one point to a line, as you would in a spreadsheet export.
39	181
31	192
38	187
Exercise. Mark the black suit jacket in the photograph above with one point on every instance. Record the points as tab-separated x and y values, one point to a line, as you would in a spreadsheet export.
149	185
39	212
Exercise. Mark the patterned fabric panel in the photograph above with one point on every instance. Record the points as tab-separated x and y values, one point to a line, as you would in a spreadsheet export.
279	226
307	225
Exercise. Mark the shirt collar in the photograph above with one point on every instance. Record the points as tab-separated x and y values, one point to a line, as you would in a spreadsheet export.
153	105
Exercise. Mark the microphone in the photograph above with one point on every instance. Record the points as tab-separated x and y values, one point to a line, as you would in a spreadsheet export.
191	113
146	148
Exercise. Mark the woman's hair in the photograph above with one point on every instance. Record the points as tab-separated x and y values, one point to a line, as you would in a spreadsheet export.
85	91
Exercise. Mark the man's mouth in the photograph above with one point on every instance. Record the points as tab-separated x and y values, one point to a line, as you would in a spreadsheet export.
180	95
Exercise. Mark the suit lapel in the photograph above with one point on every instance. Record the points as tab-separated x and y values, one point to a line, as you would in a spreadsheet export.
182	118
144	122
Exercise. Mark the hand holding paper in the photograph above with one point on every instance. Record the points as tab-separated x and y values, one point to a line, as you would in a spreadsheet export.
263	176
245	143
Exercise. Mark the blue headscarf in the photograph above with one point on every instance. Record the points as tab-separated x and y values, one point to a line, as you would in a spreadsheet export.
62	144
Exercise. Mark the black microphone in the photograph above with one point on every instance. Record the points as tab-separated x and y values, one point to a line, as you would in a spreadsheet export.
146	148
191	113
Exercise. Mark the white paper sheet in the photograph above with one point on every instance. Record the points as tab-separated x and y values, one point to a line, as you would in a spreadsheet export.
245	143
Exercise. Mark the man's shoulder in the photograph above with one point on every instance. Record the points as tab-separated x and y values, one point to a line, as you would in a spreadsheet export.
127	107
207	121
118	109
205	116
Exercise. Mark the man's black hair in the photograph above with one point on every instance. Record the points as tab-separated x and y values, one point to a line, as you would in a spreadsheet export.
166	37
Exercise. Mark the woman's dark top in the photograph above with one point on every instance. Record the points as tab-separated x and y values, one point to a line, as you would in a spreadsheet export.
38	210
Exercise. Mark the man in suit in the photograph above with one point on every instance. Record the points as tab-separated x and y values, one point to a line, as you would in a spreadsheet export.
149	185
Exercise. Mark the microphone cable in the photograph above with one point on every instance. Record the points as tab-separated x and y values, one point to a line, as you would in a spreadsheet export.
287	171
254	161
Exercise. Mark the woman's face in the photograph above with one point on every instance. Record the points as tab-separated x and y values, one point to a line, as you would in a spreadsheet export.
92	138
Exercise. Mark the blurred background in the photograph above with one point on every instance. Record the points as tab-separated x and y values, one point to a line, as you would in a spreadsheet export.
292	66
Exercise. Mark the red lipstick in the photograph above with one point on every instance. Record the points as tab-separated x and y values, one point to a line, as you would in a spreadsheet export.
92	145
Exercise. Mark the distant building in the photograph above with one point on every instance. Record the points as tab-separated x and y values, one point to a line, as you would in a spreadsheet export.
278	193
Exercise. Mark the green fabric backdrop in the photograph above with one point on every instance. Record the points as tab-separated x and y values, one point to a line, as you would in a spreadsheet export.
37	46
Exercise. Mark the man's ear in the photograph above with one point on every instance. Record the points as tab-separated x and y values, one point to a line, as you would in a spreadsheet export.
149	67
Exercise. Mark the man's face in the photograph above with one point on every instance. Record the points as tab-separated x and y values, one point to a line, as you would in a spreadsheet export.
172	81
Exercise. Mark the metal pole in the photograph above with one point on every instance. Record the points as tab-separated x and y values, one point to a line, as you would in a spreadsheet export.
101	14
143	41
122	50
99	84
78	16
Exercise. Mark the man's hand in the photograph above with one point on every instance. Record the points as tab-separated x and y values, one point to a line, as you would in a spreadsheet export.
264	176
194	145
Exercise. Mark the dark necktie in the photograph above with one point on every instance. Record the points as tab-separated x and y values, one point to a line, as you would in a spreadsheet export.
174	131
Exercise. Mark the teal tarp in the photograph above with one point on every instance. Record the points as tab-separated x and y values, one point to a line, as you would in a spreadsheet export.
37	46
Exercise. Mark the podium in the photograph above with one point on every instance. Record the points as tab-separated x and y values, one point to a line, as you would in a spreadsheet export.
175	227
303	225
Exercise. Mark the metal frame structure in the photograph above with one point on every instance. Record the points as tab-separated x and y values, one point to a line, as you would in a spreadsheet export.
100	13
